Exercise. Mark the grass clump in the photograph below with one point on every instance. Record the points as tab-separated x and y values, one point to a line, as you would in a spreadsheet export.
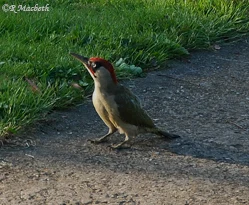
36	72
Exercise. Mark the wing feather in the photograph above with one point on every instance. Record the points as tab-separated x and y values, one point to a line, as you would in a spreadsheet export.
130	110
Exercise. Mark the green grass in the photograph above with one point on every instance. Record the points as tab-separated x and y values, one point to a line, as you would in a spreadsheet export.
36	45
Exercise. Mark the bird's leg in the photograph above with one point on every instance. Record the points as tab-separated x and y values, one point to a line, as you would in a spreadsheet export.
117	146
102	139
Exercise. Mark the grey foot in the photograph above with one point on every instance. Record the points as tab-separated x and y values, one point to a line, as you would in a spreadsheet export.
120	145
102	139
98	140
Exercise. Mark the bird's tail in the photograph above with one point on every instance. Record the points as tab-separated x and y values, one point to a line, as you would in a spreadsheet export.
165	134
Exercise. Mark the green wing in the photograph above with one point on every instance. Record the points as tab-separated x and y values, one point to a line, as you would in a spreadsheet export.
130	109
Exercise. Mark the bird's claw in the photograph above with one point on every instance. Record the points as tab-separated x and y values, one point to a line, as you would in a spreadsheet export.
113	146
118	146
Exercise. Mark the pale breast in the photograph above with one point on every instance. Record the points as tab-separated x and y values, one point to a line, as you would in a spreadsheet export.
106	107
100	108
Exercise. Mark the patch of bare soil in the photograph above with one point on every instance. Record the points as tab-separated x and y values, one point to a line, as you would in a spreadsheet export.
204	99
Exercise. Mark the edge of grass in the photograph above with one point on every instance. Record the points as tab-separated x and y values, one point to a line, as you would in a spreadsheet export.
35	45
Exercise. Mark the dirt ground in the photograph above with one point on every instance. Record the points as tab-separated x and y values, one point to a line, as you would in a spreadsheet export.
204	99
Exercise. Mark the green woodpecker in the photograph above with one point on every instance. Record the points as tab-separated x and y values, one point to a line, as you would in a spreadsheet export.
116	105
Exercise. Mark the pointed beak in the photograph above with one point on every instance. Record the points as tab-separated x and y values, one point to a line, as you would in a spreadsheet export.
82	59
85	62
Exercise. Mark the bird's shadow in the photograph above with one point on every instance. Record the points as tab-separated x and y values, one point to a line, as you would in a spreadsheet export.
197	148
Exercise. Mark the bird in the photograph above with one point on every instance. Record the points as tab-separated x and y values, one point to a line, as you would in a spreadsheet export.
116	105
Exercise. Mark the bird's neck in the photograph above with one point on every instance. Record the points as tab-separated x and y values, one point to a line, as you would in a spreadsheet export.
108	87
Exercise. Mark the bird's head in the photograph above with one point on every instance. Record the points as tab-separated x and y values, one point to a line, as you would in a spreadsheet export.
100	69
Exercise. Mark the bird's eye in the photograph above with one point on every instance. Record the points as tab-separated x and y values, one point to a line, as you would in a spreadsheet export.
93	65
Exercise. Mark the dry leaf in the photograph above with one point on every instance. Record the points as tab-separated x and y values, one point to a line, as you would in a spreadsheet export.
77	86
33	85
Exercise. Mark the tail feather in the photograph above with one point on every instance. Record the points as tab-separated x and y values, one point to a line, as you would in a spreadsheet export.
166	134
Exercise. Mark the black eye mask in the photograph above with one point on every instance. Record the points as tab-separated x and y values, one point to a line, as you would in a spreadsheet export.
95	65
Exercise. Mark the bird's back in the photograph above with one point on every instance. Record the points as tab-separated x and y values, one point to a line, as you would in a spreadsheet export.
130	109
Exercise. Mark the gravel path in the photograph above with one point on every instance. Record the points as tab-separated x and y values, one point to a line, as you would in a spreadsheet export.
205	99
